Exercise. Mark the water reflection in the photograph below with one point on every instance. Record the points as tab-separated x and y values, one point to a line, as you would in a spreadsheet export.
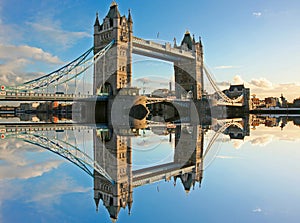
121	159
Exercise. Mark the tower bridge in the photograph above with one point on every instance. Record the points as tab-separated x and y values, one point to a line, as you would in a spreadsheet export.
114	45
114	70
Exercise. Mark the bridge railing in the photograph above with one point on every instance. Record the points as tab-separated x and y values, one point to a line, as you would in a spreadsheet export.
15	94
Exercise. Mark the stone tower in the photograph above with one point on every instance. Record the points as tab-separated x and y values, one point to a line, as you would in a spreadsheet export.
189	72
112	150
189	152
113	71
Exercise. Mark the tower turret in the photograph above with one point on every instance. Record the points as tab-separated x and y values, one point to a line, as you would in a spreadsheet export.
187	40
97	23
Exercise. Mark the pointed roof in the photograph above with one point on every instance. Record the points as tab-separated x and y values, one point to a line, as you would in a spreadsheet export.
200	41
113	11
187	183
187	39
113	212
129	206
97	23
97	202
129	16
238	87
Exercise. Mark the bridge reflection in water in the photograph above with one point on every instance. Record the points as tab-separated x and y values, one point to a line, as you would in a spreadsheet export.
110	160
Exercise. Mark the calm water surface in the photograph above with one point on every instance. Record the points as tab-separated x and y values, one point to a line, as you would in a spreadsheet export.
243	175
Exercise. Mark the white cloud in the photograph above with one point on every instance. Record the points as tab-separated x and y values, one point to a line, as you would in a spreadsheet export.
51	191
257	210
143	80
44	194
261	83
257	14
237	79
15	60
11	52
237	144
16	165
261	140
27	171
223	83
222	67
49	31
226	157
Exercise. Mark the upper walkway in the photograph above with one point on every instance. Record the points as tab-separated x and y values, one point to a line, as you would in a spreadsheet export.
160	51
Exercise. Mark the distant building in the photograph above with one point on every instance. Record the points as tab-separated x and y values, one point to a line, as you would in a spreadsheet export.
284	103
296	121
271	122
257	103
163	93
271	102
160	93
296	103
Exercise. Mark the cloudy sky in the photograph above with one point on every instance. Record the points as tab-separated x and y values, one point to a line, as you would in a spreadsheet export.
253	42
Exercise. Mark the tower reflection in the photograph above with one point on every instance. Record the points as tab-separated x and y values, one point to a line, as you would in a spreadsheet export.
113	150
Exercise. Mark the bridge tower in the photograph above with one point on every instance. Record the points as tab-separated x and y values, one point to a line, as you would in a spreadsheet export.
189	152
113	71
112	149
189	72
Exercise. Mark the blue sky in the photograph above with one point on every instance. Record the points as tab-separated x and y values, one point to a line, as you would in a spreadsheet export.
253	42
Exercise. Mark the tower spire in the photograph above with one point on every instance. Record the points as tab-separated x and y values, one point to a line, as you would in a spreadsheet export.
97	23
97	203
200	41
129	16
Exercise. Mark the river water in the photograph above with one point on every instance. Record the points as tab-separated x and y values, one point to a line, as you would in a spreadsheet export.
247	171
